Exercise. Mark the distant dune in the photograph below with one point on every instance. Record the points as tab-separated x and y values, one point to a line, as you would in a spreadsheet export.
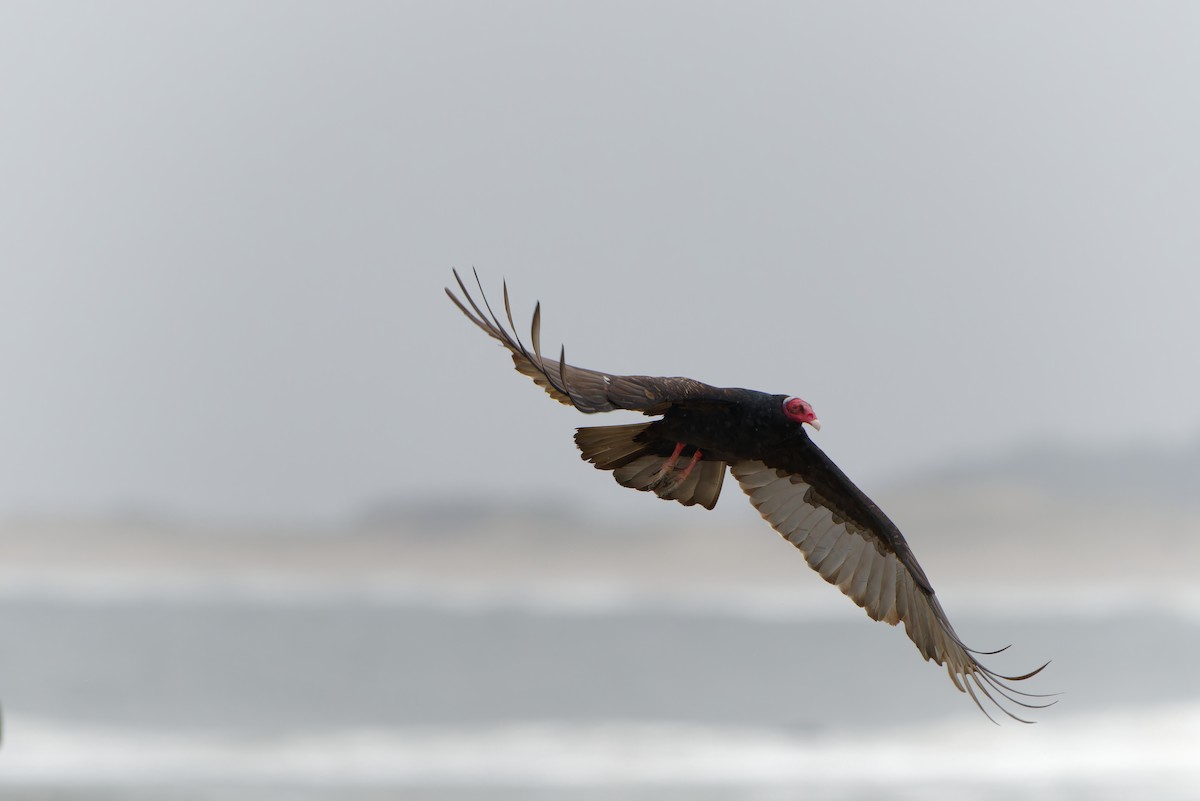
1143	474
1041	521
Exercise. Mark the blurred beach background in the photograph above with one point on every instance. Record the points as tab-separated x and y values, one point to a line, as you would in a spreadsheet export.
277	523
483	650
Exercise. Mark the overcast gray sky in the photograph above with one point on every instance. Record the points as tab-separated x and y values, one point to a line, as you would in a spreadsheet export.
225	227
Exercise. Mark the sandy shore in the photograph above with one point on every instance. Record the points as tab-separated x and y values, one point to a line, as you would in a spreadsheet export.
983	535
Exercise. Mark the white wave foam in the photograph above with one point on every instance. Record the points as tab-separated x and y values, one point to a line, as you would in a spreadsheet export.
574	597
1153	750
808	599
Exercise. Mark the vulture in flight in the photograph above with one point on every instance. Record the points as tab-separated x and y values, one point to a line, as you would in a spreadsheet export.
701	430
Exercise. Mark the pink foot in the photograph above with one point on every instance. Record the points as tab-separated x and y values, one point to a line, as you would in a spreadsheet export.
664	478
668	465
687	471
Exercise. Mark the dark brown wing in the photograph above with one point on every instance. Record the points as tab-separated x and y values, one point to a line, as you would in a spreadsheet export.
588	391
851	543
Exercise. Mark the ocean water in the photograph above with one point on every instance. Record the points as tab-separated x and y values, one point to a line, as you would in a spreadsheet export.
273	690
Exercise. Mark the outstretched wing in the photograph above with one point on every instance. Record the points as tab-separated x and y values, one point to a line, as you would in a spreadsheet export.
851	543
588	391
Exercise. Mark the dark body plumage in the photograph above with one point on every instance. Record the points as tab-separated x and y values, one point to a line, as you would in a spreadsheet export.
730	426
683	456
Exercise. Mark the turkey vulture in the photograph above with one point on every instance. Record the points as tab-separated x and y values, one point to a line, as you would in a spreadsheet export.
800	492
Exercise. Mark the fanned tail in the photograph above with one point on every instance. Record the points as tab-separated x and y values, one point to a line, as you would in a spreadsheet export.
635	464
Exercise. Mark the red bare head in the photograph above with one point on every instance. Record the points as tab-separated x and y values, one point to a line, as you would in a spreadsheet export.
801	412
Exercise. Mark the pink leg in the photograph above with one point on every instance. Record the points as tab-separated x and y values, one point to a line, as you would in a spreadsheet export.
669	465
687	471
664	479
